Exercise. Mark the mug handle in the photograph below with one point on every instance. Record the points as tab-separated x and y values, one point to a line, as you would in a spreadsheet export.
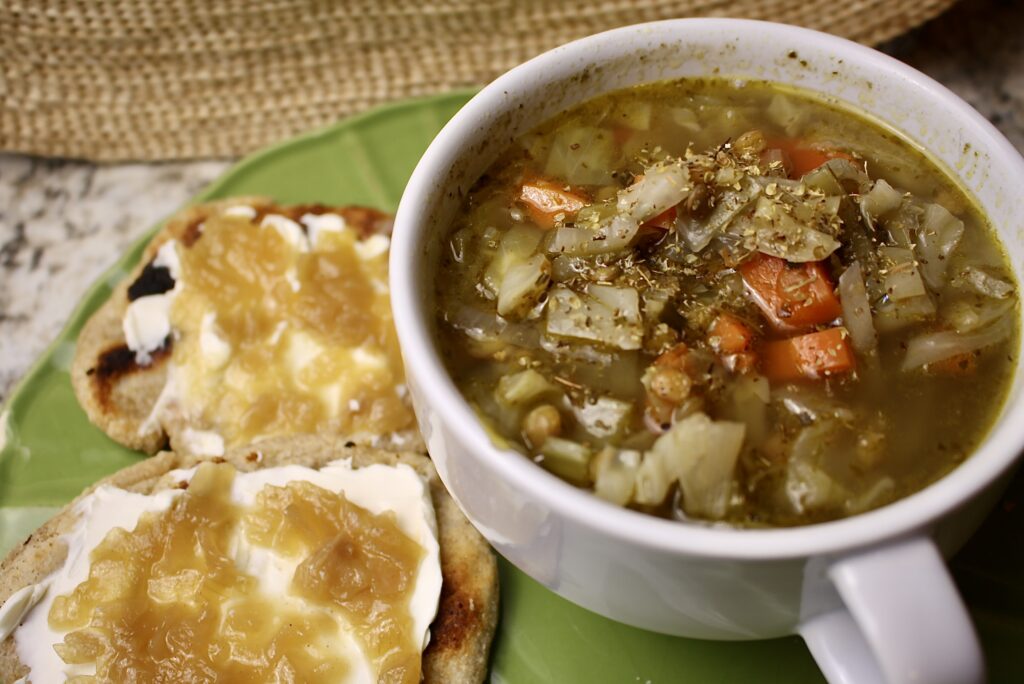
903	621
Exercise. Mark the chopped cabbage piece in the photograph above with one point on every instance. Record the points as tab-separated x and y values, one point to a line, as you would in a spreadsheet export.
857	310
934	347
938	236
983	283
523	285
522	387
698	453
606	314
567	459
517	245
777	232
603	417
582	155
881	199
902	278
615	474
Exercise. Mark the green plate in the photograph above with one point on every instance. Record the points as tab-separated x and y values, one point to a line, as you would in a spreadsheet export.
52	452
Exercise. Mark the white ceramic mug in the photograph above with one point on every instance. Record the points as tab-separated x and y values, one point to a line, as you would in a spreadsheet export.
870	594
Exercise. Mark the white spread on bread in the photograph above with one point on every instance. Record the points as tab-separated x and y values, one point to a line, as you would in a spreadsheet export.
373	247
290	230
279	354
216	350
203	442
241	211
319	224
147	321
376	488
17	607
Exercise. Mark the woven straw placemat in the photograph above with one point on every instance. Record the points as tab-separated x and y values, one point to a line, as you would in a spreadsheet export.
170	79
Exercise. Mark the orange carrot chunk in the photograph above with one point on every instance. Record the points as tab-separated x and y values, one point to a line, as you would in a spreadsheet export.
545	200
622	134
792	296
804	157
959	365
812	356
665	220
674	357
729	335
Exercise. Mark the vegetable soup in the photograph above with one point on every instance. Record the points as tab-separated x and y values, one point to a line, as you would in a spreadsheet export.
727	301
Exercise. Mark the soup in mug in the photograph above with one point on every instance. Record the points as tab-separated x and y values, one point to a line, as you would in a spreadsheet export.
727	301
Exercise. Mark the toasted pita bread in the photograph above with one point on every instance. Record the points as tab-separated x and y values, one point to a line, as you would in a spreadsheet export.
467	615
118	394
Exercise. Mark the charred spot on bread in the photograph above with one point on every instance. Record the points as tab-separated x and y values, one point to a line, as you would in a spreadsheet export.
457	615
192	232
119	361
153	280
368	221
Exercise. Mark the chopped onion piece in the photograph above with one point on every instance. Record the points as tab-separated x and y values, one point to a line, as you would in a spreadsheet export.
938	236
857	310
934	347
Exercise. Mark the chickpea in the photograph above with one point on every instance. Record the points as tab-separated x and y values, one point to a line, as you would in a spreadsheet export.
670	384
751	142
540	423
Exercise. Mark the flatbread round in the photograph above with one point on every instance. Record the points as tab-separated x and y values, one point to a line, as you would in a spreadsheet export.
117	394
467	615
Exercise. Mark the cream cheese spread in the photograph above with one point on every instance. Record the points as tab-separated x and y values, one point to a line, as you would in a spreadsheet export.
377	488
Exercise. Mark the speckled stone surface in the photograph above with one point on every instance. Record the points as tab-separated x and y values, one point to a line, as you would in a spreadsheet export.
63	223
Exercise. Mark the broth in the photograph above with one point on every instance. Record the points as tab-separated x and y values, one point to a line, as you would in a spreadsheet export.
727	301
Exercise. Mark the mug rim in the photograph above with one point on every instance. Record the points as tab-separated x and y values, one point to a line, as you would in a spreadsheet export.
993	457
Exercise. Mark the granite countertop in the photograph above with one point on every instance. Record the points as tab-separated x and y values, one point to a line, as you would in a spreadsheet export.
63	223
